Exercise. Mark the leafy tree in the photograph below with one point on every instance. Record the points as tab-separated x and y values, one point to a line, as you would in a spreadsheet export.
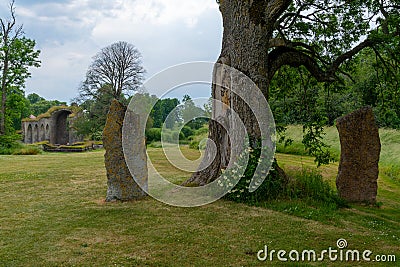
34	98
17	54
115	73
93	120
208	108
119	67
18	108
377	84
163	109
192	115
38	105
260	37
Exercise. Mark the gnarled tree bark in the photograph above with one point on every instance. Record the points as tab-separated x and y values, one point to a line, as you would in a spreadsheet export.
248	28
251	46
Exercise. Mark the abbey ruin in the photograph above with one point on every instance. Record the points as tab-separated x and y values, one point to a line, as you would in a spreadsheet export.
55	126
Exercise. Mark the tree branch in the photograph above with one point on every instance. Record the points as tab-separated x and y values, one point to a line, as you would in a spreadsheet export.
275	9
292	57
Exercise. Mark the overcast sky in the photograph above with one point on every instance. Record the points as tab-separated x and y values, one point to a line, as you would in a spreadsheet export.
70	32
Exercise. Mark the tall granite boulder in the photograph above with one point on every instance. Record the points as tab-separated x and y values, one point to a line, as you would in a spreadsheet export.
360	150
121	184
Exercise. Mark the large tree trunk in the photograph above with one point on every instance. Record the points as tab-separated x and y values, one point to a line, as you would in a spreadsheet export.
245	48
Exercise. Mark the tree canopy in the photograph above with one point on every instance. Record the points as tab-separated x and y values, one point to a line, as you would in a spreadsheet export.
116	71
320	37
17	54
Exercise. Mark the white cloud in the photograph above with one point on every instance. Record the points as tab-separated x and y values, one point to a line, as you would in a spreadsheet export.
69	33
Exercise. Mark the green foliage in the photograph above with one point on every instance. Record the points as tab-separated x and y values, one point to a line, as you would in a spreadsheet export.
91	123
97	136
271	188
296	96
38	105
17	55
18	108
27	150
163	109
187	131
21	56
314	144
153	135
192	116
309	185
9	144
34	98
199	137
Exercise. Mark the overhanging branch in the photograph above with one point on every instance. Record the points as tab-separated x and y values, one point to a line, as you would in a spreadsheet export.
290	56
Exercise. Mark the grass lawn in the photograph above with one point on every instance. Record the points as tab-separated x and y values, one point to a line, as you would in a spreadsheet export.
52	213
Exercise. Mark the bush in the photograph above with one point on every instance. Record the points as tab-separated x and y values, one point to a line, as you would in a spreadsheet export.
187	131
27	150
308	184
167	136
195	144
153	135
202	130
9	144
155	145
97	136
305	185
271	188
177	136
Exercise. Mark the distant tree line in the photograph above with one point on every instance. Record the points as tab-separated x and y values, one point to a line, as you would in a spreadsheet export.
168	112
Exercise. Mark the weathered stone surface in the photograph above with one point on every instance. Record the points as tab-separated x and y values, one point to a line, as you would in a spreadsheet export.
121	184
55	126
360	150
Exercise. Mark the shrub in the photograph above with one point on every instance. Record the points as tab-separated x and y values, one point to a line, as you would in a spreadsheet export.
177	136
167	137
27	150
195	144
187	131
155	145
305	185
153	135
271	188
97	136
202	130
9	144
308	184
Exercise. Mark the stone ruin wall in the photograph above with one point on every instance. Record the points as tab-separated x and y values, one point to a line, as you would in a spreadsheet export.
56	128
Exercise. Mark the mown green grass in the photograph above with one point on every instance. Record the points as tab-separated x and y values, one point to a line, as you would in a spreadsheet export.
52	213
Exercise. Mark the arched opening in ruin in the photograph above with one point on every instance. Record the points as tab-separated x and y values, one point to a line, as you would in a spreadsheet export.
47	134
62	128
42	133
29	134
35	135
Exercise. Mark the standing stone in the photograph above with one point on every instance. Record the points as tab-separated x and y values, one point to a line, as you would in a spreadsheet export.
121	184
360	150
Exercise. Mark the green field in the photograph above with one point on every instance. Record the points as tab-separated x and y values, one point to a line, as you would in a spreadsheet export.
52	213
